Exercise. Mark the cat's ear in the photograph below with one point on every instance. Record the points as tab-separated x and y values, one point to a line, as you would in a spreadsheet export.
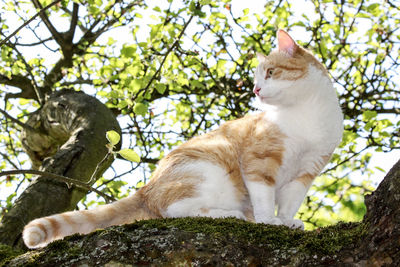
286	43
261	57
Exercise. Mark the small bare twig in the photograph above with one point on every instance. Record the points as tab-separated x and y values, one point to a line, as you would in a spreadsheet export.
94	174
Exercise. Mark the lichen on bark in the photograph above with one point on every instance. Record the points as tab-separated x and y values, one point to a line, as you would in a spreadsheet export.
198	241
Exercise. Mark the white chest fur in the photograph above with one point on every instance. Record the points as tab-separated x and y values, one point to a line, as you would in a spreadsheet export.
312	128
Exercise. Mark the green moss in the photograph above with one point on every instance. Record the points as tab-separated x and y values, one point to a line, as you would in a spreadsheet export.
323	241
58	245
330	240
61	249
7	253
32	258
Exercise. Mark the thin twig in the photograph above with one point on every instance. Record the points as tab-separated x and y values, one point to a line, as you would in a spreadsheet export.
345	160
38	91
176	43
20	123
94	174
29	21
61	178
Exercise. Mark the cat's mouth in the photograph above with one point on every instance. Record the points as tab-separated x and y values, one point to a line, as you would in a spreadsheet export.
269	98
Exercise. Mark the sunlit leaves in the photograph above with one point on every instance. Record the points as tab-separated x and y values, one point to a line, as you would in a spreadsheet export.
128	51
113	137
140	108
135	85
129	154
160	87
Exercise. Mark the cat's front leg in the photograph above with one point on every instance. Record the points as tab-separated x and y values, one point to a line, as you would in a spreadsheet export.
262	198
290	198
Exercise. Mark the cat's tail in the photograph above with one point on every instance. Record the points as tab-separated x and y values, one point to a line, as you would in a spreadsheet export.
40	232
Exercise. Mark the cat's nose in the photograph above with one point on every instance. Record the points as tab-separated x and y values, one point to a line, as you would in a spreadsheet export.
256	90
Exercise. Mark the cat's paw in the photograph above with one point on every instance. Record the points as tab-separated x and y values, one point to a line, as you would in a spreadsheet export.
293	223
269	220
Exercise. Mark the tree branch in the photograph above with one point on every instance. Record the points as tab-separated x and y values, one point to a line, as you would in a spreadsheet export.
176	43
57	36
38	91
6	158
56	74
61	178
20	123
37	43
20	82
96	171
74	22
90	36
79	48
29	21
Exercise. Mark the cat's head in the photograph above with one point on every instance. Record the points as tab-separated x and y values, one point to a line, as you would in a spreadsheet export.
287	74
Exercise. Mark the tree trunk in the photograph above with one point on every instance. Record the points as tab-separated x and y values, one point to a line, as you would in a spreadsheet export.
232	242
68	139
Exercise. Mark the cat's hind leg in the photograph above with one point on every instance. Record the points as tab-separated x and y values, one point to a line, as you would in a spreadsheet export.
215	195
191	208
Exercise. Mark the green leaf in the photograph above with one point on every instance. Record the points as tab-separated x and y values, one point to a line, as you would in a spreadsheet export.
110	41
24	101
372	7
113	137
128	51
380	169
205	2
129	154
140	109
369	114
135	85
160	87
139	184
122	104
192	6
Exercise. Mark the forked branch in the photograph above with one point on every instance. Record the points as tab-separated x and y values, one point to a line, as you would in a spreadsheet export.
28	21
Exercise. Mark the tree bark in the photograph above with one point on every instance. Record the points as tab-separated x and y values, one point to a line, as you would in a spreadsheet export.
232	242
69	139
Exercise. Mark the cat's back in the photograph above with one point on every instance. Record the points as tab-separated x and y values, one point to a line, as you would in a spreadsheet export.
229	130
225	146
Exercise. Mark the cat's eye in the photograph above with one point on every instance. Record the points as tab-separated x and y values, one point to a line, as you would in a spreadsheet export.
269	73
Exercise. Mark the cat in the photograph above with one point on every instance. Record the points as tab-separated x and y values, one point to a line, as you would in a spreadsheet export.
247	168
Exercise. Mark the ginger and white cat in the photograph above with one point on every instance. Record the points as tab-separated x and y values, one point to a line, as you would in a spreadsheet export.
246	168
